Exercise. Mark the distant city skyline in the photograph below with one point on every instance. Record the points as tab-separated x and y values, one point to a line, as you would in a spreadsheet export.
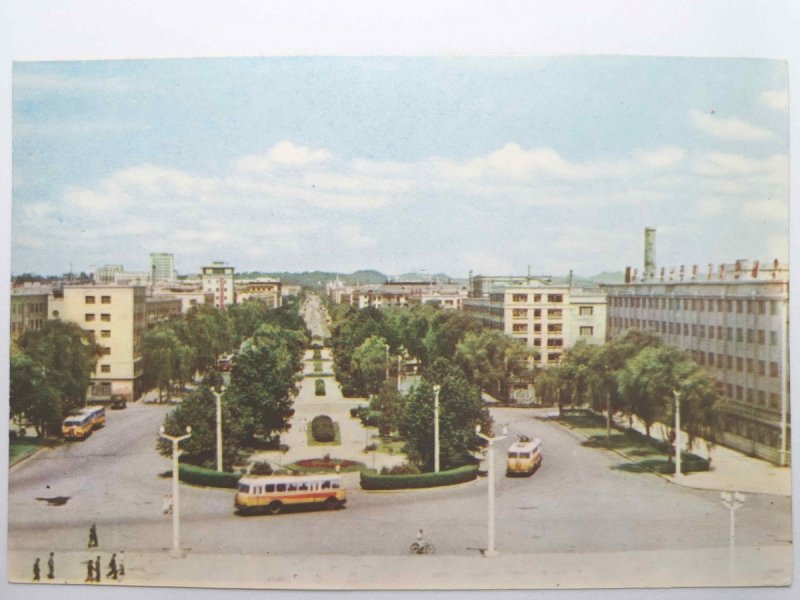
447	164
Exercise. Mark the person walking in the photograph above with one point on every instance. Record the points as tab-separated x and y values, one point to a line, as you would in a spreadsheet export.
89	571
112	567
92	536
97	569
36	570
121	563
51	567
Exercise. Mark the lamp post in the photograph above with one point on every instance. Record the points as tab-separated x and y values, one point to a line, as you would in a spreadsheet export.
436	389
387	360
176	505
218	396
678	472
399	367
733	501
490	548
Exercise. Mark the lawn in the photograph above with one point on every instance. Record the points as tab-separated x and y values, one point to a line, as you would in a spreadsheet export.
20	449
644	454
391	446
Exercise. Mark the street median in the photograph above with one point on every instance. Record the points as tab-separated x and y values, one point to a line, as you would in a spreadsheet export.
372	480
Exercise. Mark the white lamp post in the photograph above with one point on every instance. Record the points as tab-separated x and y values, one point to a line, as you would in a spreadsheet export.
176	505
678	472
490	549
218	396
436	389
733	501
387	360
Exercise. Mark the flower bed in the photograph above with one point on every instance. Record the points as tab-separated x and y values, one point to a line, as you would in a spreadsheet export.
325	465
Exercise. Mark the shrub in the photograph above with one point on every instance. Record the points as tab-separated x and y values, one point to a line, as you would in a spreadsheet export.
371	480
207	477
317	366
317	354
261	468
403	469
319	387
322	429
370	418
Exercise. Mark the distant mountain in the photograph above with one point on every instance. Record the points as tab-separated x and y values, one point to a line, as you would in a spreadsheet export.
440	277
318	278
608	277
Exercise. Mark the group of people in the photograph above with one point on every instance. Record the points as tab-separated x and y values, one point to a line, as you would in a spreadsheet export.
116	566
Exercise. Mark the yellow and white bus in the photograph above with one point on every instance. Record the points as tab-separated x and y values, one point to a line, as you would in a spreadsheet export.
98	414
77	427
273	493
524	457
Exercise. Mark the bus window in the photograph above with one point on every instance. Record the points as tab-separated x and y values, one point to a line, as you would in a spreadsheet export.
243	487
281	487
303	487
292	487
270	487
326	485
513	455
335	484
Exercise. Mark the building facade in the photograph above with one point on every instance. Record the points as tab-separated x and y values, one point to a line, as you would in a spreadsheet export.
734	322
264	289
162	268
217	278
162	308
29	308
115	317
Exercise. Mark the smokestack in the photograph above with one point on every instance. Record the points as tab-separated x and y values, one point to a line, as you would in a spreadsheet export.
649	252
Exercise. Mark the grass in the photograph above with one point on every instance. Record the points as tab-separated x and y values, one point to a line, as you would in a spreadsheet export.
646	455
393	446
337	440
21	449
349	467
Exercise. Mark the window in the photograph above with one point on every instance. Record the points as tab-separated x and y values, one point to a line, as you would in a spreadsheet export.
554	328
773	369
519	327
105	333
270	487
519	298
762	336
537	341
553	357
739	306
555	298
739	334
554	313
729	361
105	368
519	312
89	299
750	365
537	328
537	297
685	329
105	299
586	330
105	350
88	317
105	317
762	397
762	308
773	307
750	336
710	358
773	400
555	342
586	311
281	487
711	332
739	392
739	363
762	367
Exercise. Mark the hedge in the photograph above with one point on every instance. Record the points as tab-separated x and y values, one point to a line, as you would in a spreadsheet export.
207	477
371	480
322	428
319	387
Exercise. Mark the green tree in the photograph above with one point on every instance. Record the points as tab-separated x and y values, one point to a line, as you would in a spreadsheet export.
389	403
493	361
209	332
166	360
369	361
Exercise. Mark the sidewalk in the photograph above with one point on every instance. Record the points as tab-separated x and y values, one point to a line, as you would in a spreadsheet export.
754	566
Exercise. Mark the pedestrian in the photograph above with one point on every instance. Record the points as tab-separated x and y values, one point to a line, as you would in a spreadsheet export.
167	504
97	569
89	571
112	567
36	570
92	536
121	563
51	567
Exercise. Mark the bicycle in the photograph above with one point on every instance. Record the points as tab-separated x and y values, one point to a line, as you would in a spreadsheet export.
421	546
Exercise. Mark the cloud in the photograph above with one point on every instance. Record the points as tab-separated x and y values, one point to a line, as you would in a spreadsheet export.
777	99
661	158
721	164
73	128
765	210
283	154
728	129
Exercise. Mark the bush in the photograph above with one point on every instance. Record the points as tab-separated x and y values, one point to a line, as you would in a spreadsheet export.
370	418
207	477
317	354
371	480
317	366
319	387
322	429
261	468
403	469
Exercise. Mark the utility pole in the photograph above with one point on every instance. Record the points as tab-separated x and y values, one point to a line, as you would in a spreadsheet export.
176	505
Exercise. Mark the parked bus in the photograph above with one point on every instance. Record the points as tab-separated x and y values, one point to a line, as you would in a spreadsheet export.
273	493
524	457
77	427
98	415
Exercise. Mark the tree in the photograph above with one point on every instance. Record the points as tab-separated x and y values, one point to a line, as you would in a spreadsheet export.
552	386
369	361
166	360
460	409
199	411
389	403
493	361
209	332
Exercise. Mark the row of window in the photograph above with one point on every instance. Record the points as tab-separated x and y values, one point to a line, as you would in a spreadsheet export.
33	307
763	434
537	327
551	298
751	307
103	299
740	364
91	317
753	396
730	334
552	313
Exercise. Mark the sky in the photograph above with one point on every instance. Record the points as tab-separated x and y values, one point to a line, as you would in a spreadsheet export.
427	164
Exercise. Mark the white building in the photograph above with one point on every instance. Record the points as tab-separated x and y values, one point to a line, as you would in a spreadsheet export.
217	278
162	267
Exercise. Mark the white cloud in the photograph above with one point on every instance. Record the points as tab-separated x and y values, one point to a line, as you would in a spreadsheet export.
777	99
728	129
765	210
661	158
283	154
720	164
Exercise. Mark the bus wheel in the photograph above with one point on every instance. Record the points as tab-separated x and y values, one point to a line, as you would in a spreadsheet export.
330	503
274	507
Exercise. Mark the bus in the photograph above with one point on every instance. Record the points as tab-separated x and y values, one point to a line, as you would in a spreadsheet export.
524	457
273	493
77	427
98	415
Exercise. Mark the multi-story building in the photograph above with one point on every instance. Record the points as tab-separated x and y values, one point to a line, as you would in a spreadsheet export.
115	317
217	278
162	268
105	274
548	317
734	322
263	289
162	307
28	309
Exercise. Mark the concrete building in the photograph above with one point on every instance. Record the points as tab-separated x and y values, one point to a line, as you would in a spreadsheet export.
162	307
162	268
733	319
548	317
106	273
398	293
115	316
29	308
217	278
263	289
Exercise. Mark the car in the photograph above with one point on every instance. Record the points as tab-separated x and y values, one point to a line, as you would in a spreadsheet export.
118	402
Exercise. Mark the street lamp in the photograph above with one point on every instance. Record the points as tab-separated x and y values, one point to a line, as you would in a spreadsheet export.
678	472
436	389
386	346
176	505
733	501
218	396
490	549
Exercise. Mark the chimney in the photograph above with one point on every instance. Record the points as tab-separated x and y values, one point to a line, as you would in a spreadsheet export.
649	252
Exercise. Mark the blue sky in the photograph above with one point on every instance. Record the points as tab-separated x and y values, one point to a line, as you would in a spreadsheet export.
488	164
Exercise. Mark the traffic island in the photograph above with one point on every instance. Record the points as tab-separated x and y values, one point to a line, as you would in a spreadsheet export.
372	480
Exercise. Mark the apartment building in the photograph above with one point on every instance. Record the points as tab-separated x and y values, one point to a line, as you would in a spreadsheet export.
263	289
162	268
162	307
115	317
29	306
733	319
217	278
548	317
